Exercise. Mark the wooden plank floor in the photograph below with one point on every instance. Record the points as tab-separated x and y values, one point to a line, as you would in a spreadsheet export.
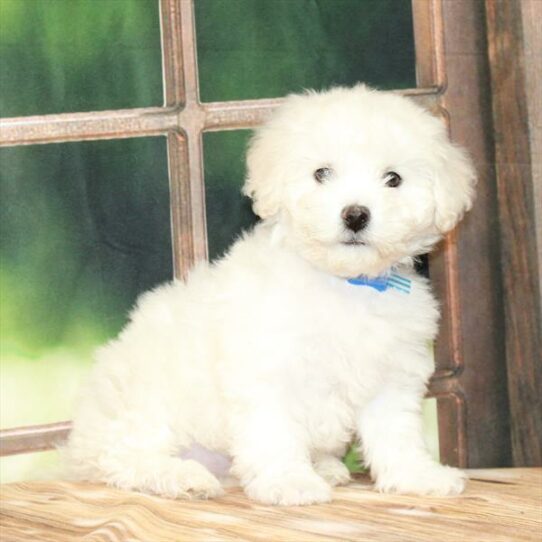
498	506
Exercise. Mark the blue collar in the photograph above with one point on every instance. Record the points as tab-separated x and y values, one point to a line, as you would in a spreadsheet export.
391	279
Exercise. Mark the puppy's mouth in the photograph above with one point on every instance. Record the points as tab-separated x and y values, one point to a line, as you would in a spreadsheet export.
354	243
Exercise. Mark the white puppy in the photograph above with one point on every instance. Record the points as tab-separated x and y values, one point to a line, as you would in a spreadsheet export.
272	355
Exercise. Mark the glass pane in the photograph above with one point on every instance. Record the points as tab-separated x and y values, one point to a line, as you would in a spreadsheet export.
85	227
253	49
228	211
430	426
78	55
35	466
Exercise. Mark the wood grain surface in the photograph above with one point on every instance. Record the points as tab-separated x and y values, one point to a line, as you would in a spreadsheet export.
498	506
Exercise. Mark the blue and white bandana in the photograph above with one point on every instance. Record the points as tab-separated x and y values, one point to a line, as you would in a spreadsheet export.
383	282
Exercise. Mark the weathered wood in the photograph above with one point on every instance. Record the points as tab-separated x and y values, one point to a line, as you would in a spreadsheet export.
498	506
522	301
466	273
531	11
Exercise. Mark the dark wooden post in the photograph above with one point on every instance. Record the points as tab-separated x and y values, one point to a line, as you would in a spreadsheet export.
466	272
513	40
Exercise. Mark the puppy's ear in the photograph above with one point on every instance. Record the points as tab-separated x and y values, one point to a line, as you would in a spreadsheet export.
264	176
455	179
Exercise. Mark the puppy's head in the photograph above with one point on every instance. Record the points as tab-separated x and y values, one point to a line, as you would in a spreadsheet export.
357	180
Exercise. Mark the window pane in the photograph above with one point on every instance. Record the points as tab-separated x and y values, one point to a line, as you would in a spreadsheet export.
35	466
254	49
85	227
228	212
78	55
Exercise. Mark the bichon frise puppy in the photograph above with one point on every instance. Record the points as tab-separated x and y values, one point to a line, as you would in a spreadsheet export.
313	330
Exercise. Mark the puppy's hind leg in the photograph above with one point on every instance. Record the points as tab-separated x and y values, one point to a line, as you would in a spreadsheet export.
166	476
125	433
136	458
331	469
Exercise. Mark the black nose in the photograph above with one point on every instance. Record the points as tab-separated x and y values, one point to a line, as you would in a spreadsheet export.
356	217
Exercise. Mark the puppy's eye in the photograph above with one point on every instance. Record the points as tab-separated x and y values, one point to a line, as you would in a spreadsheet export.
392	179
323	174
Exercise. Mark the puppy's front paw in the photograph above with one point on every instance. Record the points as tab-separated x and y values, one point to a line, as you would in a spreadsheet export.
433	479
289	489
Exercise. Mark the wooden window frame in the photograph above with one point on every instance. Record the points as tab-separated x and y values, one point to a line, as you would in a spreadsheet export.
183	119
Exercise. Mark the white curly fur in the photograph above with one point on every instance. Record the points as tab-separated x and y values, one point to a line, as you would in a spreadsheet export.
269	355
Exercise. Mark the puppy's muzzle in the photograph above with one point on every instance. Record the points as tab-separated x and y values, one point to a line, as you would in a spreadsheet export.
356	217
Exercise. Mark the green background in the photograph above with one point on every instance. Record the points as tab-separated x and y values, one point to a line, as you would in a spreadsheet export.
84	227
